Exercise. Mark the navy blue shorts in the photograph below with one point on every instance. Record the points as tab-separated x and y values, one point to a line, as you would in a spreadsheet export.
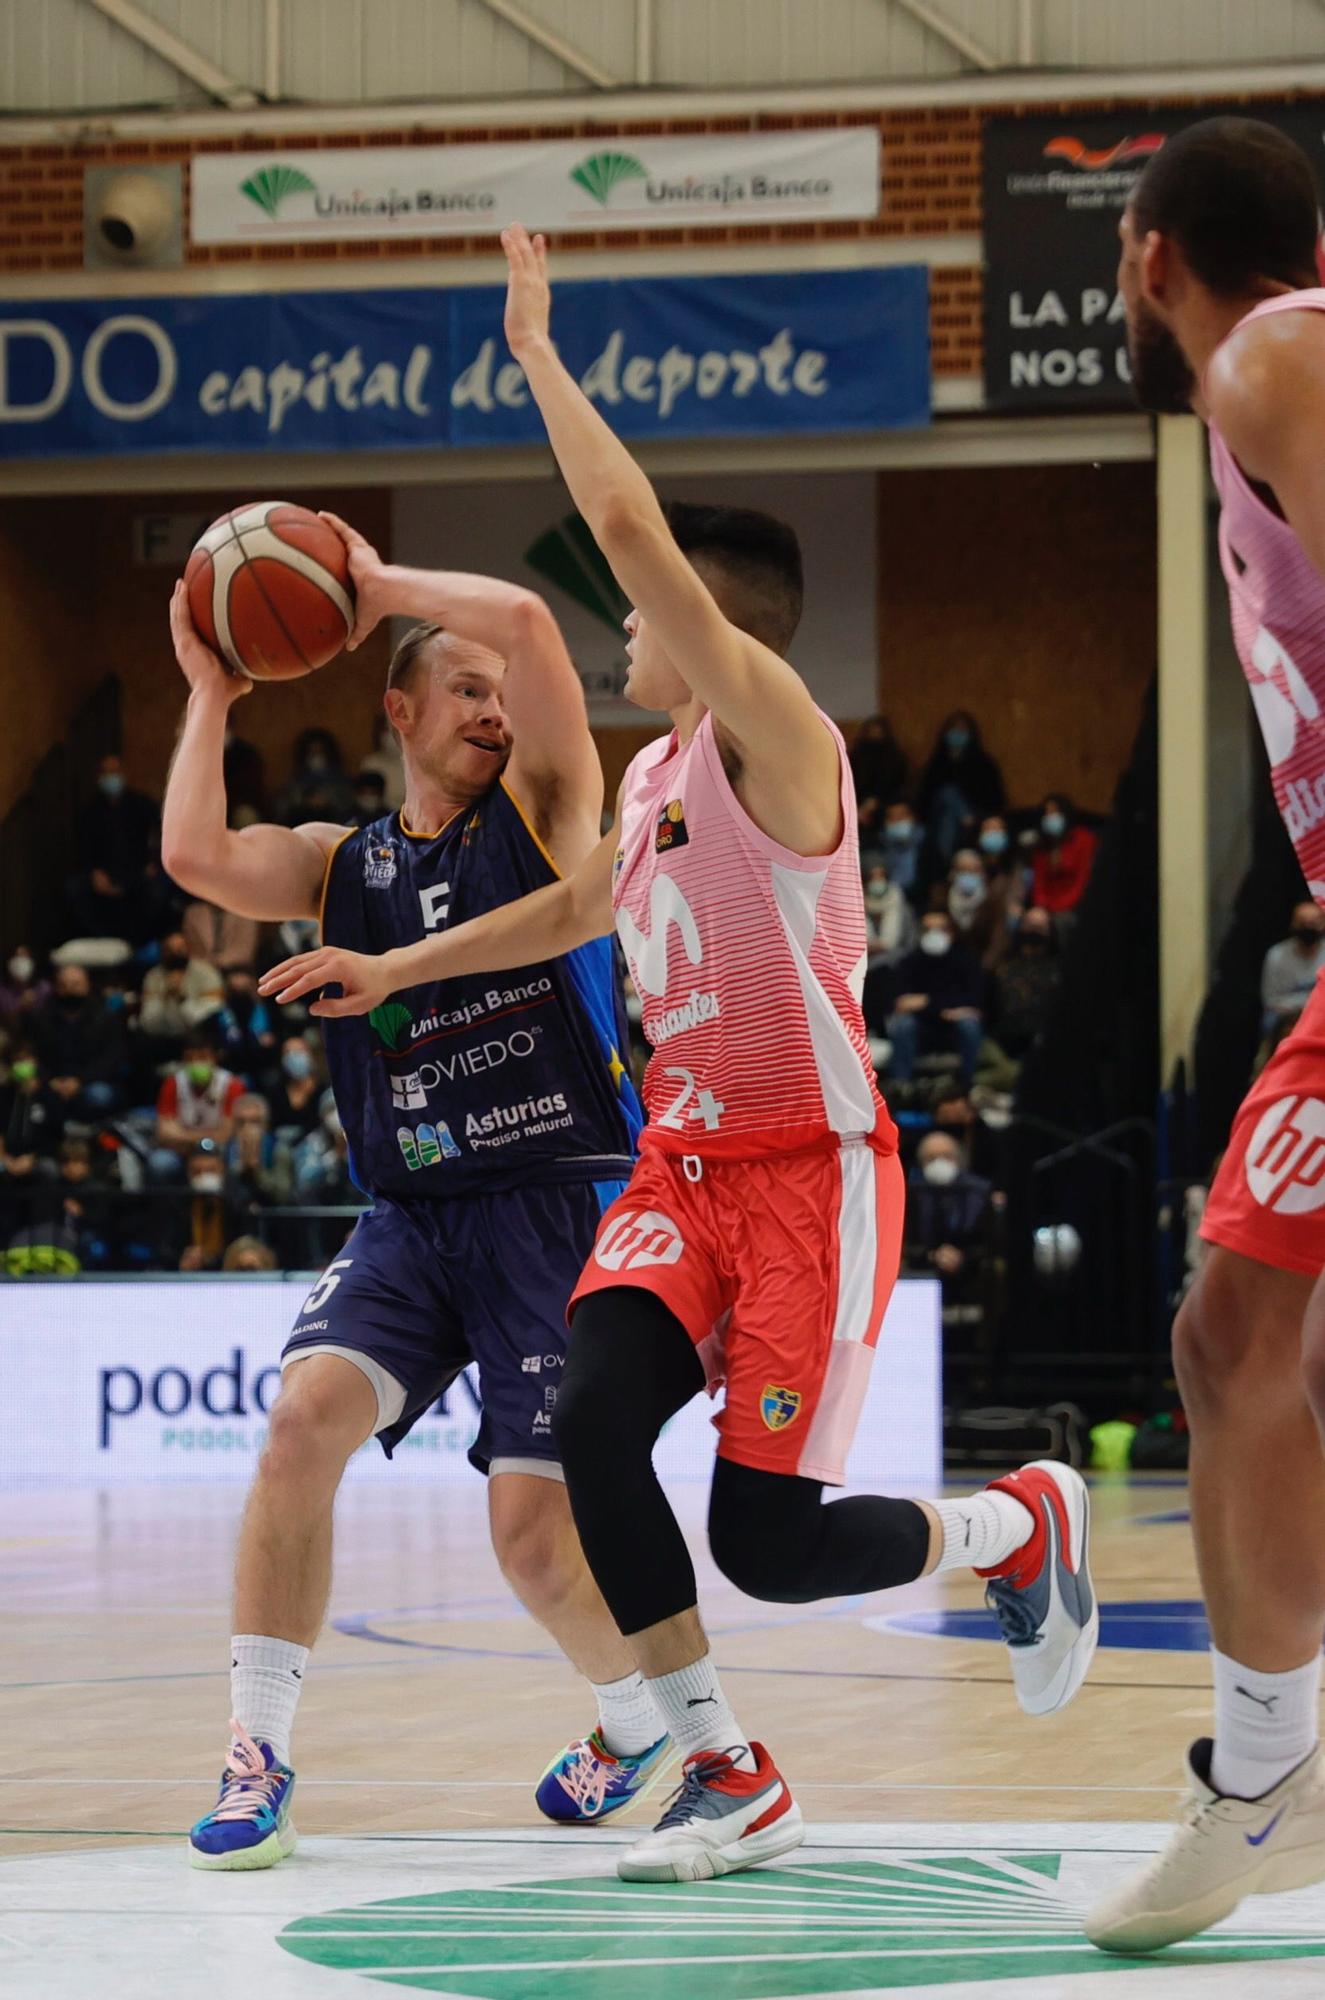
422	1288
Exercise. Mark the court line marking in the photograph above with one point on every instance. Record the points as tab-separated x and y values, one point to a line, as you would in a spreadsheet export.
520	1784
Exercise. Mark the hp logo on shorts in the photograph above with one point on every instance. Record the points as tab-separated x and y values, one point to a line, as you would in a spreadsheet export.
1286	1157
632	1241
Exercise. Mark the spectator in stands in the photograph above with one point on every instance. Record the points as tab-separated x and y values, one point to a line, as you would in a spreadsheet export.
83	1210
890	922
369	797
196	1102
32	1116
1290	970
1063	859
117	890
1025	986
318	788
902	842
384	758
245	779
978	903
80	1045
252	1176
939	1001
204	1221
179	994
217	937
879	769
249	1253
246	1028
294	1099
948	1216
961	786
321	1160
22	992
1003	863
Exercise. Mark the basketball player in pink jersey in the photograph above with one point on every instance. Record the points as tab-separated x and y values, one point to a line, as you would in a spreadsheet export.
1225	318
757	1242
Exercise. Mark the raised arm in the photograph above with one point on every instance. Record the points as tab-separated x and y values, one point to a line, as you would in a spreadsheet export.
1265	388
554	765
269	872
763	706
545	925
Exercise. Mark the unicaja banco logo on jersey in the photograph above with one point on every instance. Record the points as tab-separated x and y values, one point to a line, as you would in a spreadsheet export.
1286	1157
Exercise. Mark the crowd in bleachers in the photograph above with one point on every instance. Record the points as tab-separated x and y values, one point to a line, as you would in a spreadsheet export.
155	1112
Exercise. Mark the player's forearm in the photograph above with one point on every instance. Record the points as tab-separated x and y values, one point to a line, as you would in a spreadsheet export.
544	925
605	483
482	609
193	819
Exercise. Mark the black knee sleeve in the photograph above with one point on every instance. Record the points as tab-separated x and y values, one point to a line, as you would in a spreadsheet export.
775	1538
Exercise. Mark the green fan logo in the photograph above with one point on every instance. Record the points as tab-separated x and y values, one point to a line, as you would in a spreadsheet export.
389	1022
919	1921
601	172
270	185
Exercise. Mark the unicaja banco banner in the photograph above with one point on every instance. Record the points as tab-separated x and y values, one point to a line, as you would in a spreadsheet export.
569	185
662	357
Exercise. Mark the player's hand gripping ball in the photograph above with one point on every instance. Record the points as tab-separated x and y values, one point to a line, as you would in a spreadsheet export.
270	592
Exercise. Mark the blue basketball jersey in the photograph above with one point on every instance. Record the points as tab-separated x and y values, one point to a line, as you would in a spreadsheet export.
483	1082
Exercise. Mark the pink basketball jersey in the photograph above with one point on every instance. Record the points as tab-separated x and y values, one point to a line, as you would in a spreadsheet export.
749	961
1278	604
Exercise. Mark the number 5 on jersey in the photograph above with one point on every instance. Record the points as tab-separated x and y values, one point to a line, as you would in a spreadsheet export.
435	905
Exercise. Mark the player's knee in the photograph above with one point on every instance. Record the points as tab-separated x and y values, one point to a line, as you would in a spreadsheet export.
582	1418
761	1533
314	1426
530	1543
754	1564
1230	1323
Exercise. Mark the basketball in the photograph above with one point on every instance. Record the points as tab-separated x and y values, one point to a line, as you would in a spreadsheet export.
269	589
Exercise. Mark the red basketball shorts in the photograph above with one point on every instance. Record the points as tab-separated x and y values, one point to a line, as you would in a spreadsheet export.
1268	1200
780	1270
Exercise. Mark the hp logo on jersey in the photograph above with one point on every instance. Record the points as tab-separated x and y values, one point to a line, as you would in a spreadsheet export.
1286	1157
630	1241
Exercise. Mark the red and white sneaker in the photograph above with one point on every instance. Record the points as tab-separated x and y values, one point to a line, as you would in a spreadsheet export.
1043	1596
722	1818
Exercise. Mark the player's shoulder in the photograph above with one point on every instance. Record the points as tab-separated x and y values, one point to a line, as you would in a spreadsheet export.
1259	376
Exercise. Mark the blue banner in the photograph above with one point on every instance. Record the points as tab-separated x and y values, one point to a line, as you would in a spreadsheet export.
333	371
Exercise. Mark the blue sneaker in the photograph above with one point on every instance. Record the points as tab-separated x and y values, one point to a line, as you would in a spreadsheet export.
250	1825
586	1782
1043	1596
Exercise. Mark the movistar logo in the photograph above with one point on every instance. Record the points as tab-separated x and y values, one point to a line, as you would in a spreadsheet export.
270	186
602	172
647	952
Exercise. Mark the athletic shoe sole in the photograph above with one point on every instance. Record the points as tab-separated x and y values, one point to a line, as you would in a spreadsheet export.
1065	1683
706	1862
265	1855
1154	1929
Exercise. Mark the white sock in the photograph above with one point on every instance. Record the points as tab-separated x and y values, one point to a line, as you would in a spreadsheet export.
1265	1724
693	1706
266	1677
982	1532
628	1718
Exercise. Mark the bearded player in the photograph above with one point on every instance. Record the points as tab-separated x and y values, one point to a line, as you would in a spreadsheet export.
1224	317
490	1121
758	1241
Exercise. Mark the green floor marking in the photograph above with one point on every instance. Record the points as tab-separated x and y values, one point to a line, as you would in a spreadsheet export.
772	1934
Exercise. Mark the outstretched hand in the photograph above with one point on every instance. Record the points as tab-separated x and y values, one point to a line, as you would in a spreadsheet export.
362	979
202	668
367	575
528	294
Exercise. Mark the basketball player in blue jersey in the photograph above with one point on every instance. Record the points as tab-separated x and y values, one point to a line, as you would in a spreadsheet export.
490	1121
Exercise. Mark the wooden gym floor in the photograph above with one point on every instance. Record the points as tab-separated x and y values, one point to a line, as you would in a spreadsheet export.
953	1840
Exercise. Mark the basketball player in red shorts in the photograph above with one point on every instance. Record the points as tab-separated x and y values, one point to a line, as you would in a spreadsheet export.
1225	317
757	1242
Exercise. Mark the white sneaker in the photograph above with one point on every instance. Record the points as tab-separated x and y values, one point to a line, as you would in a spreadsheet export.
722	1818
1225	1849
1043	1596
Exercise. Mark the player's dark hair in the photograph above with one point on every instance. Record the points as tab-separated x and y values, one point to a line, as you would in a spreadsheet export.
409	652
754	565
1239	198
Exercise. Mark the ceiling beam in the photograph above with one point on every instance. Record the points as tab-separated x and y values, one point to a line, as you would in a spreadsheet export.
181	55
949	32
554	44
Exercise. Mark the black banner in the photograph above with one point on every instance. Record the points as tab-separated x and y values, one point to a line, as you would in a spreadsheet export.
1054	189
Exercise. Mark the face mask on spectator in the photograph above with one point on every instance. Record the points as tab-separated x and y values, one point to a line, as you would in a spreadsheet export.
994	840
1032	940
175	961
316	762
21	968
957	739
69	1001
297	1063
1304	933
899	830
110	784
208	1183
935	943
1053	826
201	1074
368	802
941	1172
967	883
23	1070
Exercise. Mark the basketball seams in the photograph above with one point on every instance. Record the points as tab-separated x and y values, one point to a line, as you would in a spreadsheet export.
263	593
